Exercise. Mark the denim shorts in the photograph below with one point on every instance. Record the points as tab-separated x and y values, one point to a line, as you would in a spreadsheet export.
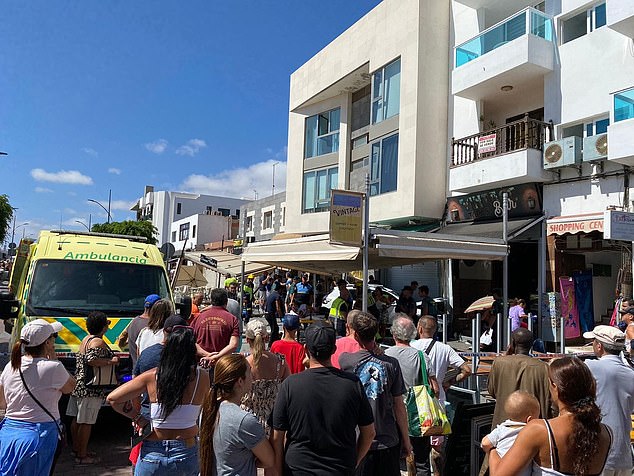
167	457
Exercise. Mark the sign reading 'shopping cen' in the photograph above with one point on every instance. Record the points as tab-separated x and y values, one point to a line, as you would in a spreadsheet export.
346	217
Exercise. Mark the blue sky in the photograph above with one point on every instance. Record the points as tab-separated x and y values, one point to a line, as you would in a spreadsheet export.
193	96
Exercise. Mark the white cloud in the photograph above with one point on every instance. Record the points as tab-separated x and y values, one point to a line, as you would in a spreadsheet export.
43	190
63	176
239	182
121	205
90	151
157	147
191	147
113	170
69	211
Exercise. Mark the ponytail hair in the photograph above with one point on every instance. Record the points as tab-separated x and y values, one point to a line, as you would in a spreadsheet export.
16	352
16	355
227	371
256	334
577	390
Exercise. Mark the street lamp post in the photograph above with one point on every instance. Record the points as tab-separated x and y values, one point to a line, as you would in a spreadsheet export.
15	228
107	210
82	224
273	188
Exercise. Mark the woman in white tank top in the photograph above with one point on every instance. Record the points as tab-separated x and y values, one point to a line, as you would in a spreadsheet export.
574	443
176	389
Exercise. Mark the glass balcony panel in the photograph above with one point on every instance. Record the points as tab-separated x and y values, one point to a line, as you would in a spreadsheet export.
624	105
540	25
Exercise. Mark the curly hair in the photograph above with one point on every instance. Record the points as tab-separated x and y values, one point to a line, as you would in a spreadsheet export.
175	369
227	371
577	389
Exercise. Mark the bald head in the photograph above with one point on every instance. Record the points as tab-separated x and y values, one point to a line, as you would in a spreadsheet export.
520	406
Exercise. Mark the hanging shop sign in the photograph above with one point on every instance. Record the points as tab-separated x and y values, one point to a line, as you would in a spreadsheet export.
524	201
618	225
346	217
575	224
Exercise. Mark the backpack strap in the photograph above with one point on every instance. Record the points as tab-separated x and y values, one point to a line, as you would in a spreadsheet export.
430	346
26	387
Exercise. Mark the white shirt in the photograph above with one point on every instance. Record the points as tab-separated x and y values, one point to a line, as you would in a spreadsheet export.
148	338
441	357
503	437
44	377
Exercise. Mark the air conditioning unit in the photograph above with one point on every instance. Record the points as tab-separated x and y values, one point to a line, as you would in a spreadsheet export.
217	214
595	147
562	153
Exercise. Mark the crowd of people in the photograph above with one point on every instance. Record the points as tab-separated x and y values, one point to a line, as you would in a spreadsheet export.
334	405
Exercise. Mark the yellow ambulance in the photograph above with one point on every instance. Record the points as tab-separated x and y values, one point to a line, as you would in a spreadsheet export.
66	275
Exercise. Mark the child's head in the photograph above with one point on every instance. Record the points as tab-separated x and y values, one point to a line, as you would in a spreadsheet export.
521	406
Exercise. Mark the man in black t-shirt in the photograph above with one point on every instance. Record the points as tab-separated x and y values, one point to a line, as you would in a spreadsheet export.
317	411
274	309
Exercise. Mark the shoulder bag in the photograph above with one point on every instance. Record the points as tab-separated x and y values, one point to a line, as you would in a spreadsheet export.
102	377
425	414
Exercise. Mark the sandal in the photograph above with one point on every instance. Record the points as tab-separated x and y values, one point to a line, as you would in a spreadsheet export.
92	454
87	460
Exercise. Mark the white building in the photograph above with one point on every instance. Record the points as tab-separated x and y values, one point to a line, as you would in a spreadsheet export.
519	66
194	231
164	208
373	101
449	103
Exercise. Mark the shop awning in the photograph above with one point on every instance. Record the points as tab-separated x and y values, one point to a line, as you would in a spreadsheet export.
226	262
477	230
388	248
573	224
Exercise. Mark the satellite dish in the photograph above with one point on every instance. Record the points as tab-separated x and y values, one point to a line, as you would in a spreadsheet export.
168	250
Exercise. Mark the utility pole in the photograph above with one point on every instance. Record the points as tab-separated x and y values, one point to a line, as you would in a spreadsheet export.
273	188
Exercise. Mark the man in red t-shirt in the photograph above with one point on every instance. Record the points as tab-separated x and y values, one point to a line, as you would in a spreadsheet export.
217	330
288	346
347	343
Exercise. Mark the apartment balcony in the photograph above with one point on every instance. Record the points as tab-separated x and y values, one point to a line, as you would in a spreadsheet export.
515	52
507	155
620	16
621	128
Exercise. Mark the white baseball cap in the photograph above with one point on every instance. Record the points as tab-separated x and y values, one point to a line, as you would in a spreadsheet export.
36	332
606	334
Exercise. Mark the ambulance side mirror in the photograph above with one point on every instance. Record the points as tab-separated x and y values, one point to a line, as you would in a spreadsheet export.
9	306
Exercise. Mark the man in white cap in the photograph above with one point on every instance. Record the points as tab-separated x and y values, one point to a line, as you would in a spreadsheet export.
615	395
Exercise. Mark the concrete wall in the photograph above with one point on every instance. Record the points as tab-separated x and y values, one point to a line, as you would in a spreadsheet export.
209	228
256	209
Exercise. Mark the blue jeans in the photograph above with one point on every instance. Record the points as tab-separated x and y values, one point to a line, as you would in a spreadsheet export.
27	448
167	457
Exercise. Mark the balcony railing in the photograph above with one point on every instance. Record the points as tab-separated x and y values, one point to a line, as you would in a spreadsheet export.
529	20
624	105
526	133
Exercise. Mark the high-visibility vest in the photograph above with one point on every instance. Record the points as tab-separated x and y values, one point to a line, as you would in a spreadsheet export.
248	290
335	309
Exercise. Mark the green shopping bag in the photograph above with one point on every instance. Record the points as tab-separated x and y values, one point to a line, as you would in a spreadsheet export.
425	414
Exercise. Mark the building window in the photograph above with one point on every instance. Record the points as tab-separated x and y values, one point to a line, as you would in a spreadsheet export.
173	236
384	165
183	232
360	116
224	211
283	216
317	187
178	208
322	133
249	223
583	23
386	92
194	232
268	220
600	126
237	215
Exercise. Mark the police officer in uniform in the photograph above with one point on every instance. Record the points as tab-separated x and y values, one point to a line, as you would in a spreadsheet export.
340	307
